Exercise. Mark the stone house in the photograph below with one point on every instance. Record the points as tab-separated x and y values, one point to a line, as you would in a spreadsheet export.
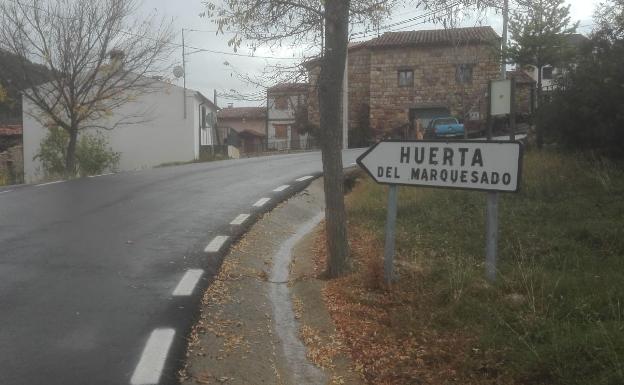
283	104
401	77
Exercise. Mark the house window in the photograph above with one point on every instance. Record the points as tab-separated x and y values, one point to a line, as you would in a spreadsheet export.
406	78
463	73
281	103
281	131
547	73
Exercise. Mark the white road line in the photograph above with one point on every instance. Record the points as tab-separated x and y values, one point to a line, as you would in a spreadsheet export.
261	202
239	220
188	282
5	192
216	244
281	188
304	178
49	183
150	366
97	176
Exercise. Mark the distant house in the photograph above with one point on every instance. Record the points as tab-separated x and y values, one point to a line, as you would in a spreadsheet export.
12	68
284	102
243	128
401	77
11	149
573	44
163	133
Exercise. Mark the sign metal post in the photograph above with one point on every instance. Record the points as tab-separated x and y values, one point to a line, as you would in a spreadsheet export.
390	233
490	166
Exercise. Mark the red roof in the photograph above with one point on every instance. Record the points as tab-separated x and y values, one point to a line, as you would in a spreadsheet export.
434	37
290	87
10	130
242	113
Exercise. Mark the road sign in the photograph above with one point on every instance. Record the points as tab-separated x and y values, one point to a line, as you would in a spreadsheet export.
501	97
465	164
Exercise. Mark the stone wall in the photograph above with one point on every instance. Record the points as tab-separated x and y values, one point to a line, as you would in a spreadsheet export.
523	97
373	83
435	82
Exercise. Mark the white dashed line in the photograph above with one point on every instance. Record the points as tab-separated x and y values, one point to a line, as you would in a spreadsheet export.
150	366
188	282
304	178
49	183
5	192
97	176
216	244
239	220
261	202
281	188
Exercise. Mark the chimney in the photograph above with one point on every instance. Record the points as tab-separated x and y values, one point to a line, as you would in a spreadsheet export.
116	59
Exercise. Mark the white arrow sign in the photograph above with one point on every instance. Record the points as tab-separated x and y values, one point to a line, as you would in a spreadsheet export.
475	165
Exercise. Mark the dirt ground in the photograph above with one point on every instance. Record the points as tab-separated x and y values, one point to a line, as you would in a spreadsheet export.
242	336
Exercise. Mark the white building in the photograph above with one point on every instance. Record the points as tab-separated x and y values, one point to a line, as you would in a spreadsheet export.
162	132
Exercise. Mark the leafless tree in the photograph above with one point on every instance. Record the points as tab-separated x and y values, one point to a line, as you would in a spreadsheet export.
99	56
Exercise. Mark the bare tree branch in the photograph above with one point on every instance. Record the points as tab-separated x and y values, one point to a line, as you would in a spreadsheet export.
95	65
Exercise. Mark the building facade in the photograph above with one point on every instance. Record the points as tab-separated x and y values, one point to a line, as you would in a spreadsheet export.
172	124
400	78
243	128
285	103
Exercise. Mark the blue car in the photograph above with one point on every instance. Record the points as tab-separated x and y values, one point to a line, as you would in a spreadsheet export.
445	127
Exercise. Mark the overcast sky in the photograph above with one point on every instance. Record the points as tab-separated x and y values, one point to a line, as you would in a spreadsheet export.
206	71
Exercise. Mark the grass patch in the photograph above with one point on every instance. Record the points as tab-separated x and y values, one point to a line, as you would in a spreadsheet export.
556	313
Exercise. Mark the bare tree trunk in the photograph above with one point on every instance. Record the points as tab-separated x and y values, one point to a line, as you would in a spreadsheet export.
330	98
70	159
539	132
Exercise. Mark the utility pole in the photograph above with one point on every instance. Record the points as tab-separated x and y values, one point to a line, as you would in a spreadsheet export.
345	104
504	40
491	248
184	73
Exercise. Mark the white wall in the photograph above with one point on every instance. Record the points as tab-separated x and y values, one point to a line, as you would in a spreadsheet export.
164	135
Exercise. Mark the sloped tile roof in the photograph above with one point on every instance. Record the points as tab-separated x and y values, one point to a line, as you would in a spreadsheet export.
434	37
290	87
242	113
521	76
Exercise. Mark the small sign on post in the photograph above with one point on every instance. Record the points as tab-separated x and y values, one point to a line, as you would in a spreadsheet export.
501	97
492	166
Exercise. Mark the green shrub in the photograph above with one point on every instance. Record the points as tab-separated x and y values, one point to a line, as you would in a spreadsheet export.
93	154
556	314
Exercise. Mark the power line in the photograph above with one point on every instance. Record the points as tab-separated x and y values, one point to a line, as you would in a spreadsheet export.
428	13
197	49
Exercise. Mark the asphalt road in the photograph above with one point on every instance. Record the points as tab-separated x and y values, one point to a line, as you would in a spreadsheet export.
88	267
